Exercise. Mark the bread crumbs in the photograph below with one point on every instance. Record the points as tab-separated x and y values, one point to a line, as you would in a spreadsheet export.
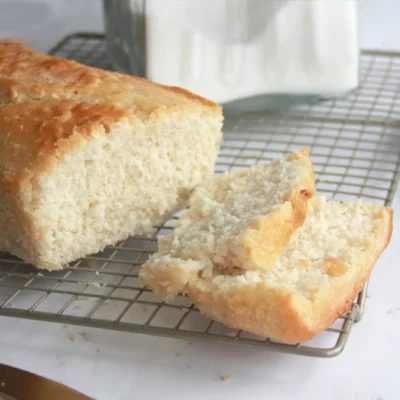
179	355
190	342
72	338
225	378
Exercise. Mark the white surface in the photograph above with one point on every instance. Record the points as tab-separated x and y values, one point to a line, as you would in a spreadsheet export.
120	366
320	38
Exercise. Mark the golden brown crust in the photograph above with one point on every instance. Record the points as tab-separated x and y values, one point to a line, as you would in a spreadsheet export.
25	74
61	103
270	235
33	135
254	308
278	314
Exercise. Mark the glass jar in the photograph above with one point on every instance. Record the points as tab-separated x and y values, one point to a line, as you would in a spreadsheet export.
247	55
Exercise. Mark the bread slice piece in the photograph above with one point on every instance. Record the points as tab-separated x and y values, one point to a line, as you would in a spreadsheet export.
238	220
90	157
314	280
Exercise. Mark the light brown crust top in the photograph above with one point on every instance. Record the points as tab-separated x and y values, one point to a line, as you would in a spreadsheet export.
25	74
51	104
33	135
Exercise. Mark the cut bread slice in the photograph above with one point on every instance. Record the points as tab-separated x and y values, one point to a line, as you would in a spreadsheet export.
314	280
238	220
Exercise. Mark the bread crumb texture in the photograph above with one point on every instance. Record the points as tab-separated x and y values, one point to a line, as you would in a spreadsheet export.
90	157
237	221
314	279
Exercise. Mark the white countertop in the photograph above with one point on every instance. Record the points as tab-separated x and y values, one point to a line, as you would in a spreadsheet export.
120	366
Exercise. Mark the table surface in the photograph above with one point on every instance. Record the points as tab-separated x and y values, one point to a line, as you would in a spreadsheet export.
112	365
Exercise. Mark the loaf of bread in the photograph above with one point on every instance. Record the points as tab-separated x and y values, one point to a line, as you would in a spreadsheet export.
315	278
238	220
90	157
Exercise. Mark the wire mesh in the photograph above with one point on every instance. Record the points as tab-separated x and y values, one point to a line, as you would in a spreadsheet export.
355	146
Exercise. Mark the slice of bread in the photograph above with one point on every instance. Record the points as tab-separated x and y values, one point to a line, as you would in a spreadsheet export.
89	157
237	221
314	280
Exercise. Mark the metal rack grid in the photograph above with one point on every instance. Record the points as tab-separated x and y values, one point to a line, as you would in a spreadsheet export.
355	146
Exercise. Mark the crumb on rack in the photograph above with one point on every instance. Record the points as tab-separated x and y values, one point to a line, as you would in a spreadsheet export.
39	274
225	378
97	272
179	355
190	342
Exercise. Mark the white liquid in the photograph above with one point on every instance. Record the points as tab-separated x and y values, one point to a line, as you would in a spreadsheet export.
303	47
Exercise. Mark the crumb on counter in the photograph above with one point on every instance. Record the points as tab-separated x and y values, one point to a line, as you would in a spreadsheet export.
3	384
179	355
190	342
189	367
225	378
72	338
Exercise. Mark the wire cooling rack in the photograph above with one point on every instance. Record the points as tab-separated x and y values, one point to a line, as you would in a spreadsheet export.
355	145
